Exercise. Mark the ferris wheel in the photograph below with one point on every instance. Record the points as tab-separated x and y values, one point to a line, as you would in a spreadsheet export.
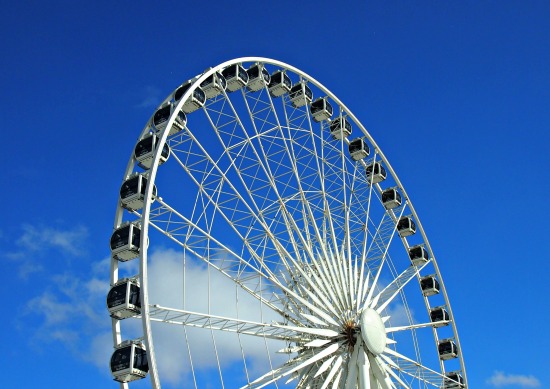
276	247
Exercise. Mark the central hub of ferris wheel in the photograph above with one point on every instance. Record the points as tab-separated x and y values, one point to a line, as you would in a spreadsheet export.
373	331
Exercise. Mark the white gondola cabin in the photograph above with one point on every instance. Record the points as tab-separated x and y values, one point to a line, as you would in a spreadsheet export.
162	116
418	255
439	314
406	226
235	76
129	362
258	77
123	299
375	173
340	128
145	151
358	149
132	192
453	380
447	349
214	85
300	94
429	285
125	242
194	102
391	198
321	109
279	84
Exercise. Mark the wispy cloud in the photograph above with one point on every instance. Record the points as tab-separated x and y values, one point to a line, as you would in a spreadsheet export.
70	311
37	241
27	268
151	98
50	308
500	379
38	238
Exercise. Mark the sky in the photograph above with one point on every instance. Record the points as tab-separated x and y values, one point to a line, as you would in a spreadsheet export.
456	93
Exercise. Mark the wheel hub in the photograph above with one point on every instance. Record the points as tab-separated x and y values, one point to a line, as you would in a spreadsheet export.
349	332
373	331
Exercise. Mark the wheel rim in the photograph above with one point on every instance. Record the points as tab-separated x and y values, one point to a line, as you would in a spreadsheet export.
288	207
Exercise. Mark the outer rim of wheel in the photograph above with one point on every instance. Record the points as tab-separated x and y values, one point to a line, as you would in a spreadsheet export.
146	324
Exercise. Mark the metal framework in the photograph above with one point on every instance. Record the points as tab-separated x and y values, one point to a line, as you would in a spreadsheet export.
260	195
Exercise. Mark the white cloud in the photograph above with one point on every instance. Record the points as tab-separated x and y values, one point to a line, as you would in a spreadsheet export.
36	241
399	315
65	336
166	288
97	287
500	379
152	98
71	310
67	241
102	267
51	308
100	349
68	306
27	268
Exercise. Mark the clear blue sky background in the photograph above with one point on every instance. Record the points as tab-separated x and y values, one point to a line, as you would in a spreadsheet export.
456	93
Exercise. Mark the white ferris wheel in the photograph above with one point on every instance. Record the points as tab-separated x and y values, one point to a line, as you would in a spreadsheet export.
276	246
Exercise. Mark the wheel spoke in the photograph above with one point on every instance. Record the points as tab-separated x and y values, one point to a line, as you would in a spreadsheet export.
219	323
380	374
389	370
231	266
413	368
295	365
351	377
386	246
363	363
386	296
335	371
415	326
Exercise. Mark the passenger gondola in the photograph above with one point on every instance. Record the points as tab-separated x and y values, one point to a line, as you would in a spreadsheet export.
235	76
406	226
162	116
300	94
375	173
453	380
258	77
321	109
429	285
447	349
125	242
418	255
145	151
214	85
439	314
340	128
391	198
194	102
358	149
279	84
123	299
132	192
129	362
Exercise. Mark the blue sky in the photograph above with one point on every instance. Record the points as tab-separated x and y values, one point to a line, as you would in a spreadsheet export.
457	94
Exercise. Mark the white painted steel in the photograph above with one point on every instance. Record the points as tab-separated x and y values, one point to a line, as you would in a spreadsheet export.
301	232
373	331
